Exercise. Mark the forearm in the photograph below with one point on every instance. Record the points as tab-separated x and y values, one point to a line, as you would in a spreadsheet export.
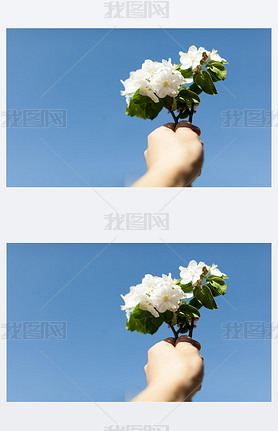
160	177
160	393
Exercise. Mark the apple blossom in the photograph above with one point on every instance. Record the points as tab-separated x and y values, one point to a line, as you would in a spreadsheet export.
150	67
216	57
131	301
167	82
157	85
168	296
215	271
192	57
175	301
150	282
192	273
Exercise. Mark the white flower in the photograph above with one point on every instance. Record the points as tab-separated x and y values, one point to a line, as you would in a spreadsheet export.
146	90
150	67
155	80
216	57
141	295
131	85
215	271
203	50
167	296
192	273
191	58
167	65
160	79
131	301
146	304
150	282
167	82
138	80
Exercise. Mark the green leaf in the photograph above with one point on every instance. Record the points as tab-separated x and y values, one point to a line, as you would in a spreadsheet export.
167	316
189	96
195	88
131	110
183	115
182	319
204	295
186	98
213	290
214	77
218	69
187	288
195	303
143	107
168	102
139	99
184	330
175	319
182	108
189	310
218	283
143	321
186	73
204	80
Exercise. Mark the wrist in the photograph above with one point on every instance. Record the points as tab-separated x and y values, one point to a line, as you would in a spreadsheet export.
163	392
172	175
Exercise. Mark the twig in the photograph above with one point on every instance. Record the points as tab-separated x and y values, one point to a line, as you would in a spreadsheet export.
191	112
174	117
191	327
176	333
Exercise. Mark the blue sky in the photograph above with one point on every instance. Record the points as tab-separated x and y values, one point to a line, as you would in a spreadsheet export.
102	145
100	356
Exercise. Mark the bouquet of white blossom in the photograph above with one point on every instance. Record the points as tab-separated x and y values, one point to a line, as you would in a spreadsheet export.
164	299
159	85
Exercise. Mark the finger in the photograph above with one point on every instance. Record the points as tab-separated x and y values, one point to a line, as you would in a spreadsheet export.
170	126
170	340
185	124
186	339
168	343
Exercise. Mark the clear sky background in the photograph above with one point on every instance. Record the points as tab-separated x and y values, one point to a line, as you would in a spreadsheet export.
101	357
104	146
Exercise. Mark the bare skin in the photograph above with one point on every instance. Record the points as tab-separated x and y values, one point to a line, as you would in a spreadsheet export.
174	156
174	371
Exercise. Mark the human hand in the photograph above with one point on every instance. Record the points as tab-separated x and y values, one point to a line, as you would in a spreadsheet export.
174	370
174	156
